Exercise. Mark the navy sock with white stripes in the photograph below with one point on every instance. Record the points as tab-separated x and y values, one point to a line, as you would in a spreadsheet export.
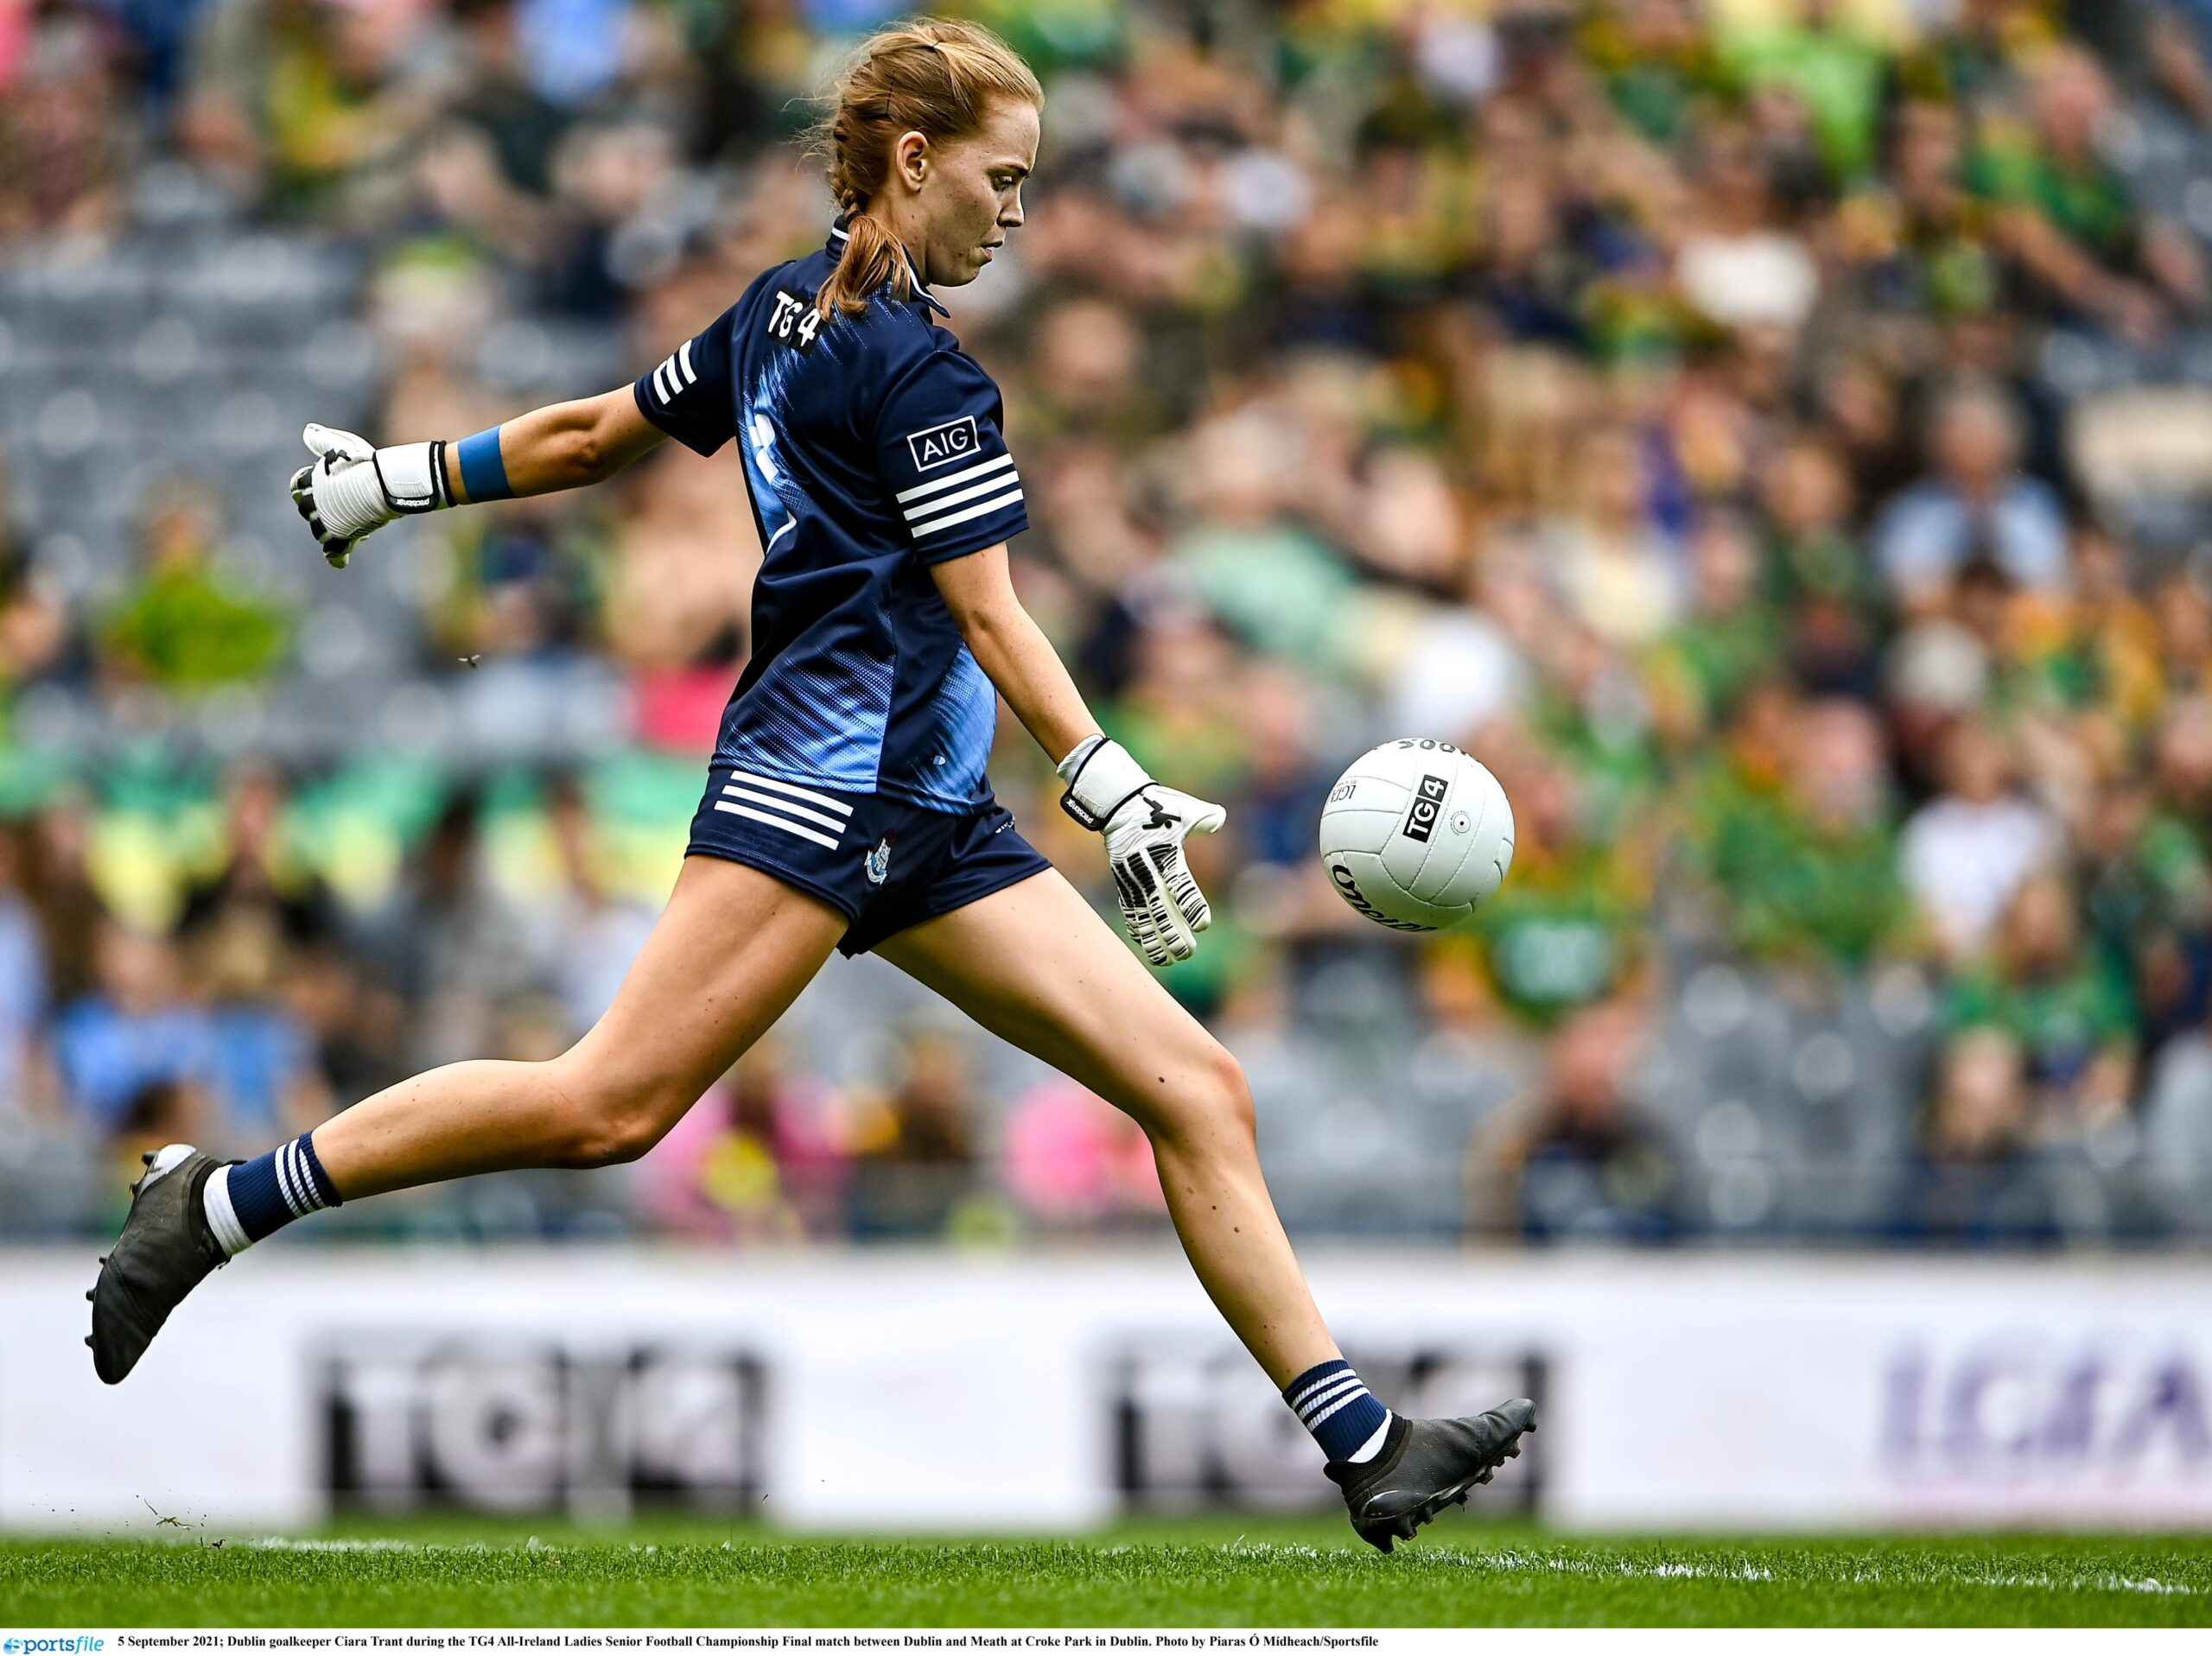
247	1201
1331	1402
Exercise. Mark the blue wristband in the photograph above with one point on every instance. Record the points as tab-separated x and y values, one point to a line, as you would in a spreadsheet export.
483	473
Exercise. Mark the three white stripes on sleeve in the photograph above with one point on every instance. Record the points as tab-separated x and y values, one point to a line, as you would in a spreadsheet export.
675	375
785	805
929	508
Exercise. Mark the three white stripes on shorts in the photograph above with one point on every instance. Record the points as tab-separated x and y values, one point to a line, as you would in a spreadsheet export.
1327	1395
675	375
786	806
929	508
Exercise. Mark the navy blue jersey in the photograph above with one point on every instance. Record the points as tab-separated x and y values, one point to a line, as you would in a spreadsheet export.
872	451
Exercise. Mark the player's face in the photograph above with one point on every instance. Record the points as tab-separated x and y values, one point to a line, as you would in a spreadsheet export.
973	194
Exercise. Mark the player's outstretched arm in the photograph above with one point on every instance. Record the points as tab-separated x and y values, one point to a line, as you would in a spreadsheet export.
1144	824
352	488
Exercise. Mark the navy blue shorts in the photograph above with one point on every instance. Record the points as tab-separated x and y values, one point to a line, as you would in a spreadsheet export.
884	864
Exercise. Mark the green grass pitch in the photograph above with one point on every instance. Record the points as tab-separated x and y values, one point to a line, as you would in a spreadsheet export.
1153	1575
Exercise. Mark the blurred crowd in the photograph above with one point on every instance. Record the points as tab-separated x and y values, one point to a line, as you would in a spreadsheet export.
1772	434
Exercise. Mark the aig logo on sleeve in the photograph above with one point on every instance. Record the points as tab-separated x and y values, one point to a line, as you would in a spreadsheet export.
942	445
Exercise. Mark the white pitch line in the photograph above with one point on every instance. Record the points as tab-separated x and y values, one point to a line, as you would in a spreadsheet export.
2099	1583
1859	1577
1627	1569
1610	1567
311	1544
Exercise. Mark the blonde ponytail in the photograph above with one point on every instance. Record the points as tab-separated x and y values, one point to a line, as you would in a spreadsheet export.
934	76
872	258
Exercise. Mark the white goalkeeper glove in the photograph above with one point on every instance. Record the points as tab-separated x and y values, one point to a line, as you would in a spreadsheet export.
1144	824
351	489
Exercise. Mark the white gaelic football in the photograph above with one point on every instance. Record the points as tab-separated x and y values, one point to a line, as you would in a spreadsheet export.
1415	834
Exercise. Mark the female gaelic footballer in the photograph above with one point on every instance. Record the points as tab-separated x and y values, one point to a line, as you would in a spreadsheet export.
846	805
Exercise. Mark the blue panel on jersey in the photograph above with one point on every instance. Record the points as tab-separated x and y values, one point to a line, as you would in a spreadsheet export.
956	725
777	495
816	718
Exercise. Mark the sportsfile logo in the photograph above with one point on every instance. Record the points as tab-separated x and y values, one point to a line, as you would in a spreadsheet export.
942	445
73	1642
1428	800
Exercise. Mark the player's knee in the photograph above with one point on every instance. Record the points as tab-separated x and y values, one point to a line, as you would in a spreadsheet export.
1232	1094
1213	1100
613	1138
603	1122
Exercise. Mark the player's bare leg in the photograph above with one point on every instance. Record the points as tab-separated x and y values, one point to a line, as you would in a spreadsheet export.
728	955
1035	966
